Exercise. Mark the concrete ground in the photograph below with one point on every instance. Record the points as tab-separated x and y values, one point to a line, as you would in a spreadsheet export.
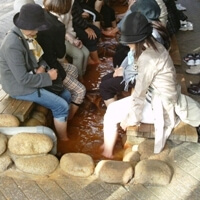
185	184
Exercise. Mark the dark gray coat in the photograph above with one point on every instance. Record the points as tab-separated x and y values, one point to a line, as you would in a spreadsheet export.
15	69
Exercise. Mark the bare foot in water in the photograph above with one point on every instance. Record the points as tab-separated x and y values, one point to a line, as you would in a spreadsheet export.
109	33
106	153
92	62
101	147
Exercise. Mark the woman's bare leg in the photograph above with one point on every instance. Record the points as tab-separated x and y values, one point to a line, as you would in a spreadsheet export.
61	129
109	143
115	113
73	109
94	57
98	5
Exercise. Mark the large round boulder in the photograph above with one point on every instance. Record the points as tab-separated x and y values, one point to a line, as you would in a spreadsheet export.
77	164
30	144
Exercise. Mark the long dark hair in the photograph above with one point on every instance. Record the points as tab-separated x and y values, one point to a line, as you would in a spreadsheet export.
162	30
140	47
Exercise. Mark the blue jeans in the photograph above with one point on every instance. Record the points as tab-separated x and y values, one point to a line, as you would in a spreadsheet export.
59	105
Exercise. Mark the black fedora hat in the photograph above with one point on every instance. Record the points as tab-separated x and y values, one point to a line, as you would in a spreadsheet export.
135	28
31	17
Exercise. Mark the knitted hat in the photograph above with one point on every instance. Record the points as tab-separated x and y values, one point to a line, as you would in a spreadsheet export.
31	17
149	8
135	28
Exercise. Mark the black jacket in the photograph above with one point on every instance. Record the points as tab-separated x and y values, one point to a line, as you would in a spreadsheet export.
52	42
77	11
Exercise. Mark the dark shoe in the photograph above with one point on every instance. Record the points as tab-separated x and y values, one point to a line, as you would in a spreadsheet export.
189	59
194	90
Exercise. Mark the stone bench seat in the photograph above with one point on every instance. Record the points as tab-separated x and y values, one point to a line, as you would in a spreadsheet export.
183	132
174	51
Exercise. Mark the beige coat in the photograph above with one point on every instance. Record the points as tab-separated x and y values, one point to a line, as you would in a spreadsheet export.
156	73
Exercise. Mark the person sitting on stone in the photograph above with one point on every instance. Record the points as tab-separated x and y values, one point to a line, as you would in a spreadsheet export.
19	55
124	76
53	43
156	98
74	46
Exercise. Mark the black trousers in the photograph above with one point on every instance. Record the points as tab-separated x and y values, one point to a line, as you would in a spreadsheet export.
111	86
108	15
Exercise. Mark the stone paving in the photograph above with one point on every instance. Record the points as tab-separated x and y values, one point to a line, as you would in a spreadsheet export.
185	184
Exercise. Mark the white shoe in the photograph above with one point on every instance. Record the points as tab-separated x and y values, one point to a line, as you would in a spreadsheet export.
186	26
183	27
189	26
193	70
180	7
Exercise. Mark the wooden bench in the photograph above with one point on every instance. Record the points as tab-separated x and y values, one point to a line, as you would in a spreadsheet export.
174	51
20	109
183	132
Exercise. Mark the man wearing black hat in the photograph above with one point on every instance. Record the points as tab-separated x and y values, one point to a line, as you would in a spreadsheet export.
22	68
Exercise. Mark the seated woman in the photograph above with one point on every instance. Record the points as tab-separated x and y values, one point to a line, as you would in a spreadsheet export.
53	43
74	46
17	78
88	33
156	98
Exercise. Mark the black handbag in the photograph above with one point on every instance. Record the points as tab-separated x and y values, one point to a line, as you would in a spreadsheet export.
57	86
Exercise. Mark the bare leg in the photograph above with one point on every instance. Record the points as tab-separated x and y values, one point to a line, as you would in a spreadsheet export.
115	113
109	143
73	109
94	57
97	24
98	5
61	129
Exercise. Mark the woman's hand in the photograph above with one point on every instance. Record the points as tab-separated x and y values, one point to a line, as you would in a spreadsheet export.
118	72
85	15
40	70
91	34
124	125
78	43
53	73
